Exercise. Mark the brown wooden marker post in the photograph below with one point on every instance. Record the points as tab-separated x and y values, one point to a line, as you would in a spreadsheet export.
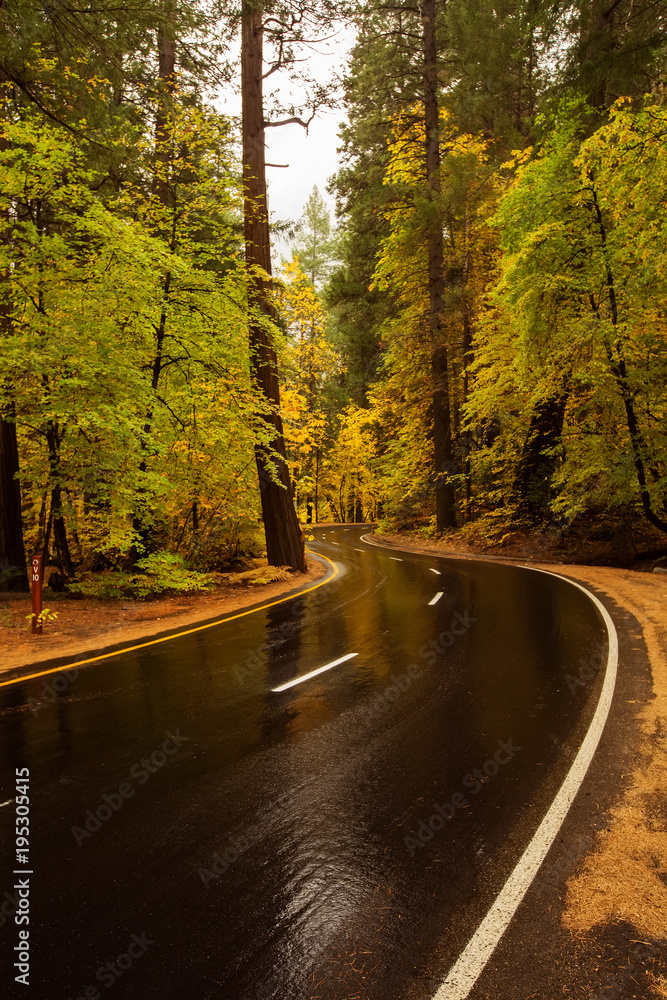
36	589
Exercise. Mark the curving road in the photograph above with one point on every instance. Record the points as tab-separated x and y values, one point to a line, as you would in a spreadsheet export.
203	827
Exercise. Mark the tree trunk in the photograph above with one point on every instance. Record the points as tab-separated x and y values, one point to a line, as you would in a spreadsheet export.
531	490
341	499
442	430
284	542
166	45
59	531
46	551
597	44
63	555
617	364
334	509
13	572
467	437
162	188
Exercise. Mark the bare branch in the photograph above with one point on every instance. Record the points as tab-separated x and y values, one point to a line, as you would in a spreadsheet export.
291	121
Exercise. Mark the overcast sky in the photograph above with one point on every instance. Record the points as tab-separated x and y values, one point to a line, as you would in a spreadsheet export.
311	156
312	159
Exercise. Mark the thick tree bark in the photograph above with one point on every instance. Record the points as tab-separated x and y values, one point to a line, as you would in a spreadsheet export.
166	45
13	572
467	360
163	189
59	531
284	542
596	46
442	430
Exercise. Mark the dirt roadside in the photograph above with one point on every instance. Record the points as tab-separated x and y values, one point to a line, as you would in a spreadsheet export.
86	626
626	878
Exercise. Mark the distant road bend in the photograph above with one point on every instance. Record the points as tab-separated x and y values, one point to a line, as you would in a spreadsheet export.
321	799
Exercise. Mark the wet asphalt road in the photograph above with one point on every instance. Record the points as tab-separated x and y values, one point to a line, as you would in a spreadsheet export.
230	841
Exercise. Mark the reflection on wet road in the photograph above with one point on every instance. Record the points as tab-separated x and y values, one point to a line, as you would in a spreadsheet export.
232	834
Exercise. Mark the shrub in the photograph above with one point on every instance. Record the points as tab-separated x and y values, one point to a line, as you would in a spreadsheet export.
158	573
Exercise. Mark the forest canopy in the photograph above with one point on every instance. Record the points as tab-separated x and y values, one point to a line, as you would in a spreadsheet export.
478	345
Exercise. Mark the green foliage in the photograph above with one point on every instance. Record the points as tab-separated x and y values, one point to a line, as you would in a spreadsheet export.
45	617
501	56
401	400
553	315
580	304
159	573
126	395
613	52
315	244
357	308
350	483
219	544
124	311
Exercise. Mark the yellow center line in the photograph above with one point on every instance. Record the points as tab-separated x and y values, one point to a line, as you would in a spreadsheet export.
175	635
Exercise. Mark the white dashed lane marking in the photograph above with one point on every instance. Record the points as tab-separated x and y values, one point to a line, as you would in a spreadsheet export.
313	673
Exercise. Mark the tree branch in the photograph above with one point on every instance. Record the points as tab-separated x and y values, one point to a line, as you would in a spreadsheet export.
290	121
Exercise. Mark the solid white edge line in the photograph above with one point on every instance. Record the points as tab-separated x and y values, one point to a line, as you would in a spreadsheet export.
436	571
466	970
469	965
436	598
313	673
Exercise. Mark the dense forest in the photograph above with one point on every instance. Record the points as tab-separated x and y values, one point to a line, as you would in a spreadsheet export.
477	344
